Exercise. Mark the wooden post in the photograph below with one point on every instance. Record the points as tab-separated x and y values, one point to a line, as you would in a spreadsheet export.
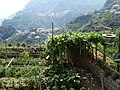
13	85
9	62
119	47
55	84
52	44
52	30
91	82
118	67
92	51
104	57
96	51
19	84
102	80
80	48
5	50
118	64
39	86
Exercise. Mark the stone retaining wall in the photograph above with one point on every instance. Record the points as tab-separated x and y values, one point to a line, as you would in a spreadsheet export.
108	82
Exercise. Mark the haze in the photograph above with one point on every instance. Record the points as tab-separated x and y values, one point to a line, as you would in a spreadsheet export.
9	7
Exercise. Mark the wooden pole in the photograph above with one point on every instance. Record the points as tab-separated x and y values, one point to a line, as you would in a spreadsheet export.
13	85
9	62
52	30
102	80
91	80
5	50
40	87
119	47
56	84
104	57
118	65
52	44
96	51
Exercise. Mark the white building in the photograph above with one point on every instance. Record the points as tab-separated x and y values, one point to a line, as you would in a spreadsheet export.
117	12
116	7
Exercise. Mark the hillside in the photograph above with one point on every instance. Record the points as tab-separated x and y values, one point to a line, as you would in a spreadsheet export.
40	13
6	32
33	36
105	19
110	3
79	22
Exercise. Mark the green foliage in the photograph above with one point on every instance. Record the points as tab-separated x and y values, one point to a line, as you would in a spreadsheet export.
65	79
24	56
78	22
2	70
101	20
111	44
21	71
71	41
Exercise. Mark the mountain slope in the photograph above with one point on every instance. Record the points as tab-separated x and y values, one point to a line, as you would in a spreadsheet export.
40	13
110	3
79	22
6	32
107	18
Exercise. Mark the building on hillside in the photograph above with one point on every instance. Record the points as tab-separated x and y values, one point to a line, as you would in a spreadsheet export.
117	13
116	7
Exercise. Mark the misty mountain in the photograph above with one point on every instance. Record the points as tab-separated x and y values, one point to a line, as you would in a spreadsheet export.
40	13
110	3
6	32
104	19
1	20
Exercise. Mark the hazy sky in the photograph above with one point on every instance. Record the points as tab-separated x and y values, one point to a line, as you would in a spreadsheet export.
9	7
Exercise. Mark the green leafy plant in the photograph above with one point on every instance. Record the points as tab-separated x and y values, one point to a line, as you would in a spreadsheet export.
62	78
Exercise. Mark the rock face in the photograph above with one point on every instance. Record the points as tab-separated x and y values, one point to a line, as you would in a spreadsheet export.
40	13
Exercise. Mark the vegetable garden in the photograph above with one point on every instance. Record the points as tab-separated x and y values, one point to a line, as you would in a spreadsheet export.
24	72
63	53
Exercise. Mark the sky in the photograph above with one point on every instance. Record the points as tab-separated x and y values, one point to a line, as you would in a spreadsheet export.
9	7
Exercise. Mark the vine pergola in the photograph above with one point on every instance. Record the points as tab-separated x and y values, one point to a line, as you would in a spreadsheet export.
70	46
